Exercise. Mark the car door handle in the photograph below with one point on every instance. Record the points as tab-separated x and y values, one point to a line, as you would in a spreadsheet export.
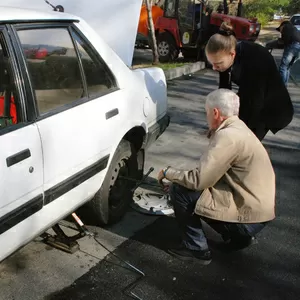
16	158
111	113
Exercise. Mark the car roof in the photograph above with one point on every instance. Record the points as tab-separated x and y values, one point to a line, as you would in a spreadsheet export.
13	15
296	15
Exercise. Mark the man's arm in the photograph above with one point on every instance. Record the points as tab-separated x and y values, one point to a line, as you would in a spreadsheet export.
213	164
287	34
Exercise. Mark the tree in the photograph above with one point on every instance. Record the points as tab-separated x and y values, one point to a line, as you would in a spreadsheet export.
263	9
293	7
152	32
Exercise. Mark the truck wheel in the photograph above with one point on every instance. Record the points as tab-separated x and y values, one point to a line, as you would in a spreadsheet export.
166	47
112	200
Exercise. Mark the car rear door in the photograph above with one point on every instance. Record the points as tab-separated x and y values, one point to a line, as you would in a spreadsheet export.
21	176
77	108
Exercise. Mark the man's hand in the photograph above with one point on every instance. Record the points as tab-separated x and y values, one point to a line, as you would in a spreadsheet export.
160	178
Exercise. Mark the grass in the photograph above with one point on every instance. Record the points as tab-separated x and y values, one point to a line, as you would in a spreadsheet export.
164	66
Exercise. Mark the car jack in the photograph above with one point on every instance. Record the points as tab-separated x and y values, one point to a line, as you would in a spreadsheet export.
64	242
69	244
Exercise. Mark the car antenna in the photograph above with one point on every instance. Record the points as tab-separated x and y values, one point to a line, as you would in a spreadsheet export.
57	7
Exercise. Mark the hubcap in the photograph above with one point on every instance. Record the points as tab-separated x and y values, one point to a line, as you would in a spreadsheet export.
163	48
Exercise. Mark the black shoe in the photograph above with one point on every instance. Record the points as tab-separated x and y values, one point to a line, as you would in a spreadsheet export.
202	256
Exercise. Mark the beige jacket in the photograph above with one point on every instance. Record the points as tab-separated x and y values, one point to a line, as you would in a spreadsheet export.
235	175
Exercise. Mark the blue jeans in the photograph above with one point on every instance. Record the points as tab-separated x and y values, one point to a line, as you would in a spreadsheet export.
290	55
193	237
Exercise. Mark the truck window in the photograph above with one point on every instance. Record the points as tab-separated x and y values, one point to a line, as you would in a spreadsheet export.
186	13
53	67
170	8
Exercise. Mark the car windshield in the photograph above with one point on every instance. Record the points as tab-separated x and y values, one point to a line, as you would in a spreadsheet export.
295	20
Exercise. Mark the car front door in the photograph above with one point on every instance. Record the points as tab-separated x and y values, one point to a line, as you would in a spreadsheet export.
21	175
186	11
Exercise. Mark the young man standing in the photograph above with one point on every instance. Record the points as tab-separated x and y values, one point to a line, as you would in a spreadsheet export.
290	38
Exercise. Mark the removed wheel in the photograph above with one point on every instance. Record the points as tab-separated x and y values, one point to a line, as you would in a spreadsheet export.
166	47
113	199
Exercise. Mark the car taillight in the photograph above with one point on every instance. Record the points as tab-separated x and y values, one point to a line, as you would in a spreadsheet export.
251	27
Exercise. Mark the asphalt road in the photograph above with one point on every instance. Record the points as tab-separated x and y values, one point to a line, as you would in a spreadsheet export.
269	270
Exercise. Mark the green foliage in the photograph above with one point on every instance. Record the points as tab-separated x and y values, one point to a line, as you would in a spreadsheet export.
263	18
293	7
263	9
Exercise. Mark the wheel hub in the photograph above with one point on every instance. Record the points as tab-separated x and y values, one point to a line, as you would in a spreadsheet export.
118	186
163	48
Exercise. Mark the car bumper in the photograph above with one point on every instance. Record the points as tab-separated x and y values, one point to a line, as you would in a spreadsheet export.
156	130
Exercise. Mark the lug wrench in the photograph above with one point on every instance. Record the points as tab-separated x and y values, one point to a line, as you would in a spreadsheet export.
143	179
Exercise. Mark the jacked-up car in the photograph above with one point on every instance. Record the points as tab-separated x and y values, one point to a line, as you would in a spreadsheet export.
75	120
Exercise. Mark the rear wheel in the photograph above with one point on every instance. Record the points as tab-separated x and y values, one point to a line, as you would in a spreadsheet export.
112	200
166	47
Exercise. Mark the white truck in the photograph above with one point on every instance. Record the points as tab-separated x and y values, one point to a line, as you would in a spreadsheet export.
75	119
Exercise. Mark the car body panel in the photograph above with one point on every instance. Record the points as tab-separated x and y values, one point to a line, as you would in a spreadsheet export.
29	184
295	20
72	146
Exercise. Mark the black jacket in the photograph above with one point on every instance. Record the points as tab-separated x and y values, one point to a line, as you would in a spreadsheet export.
290	34
264	99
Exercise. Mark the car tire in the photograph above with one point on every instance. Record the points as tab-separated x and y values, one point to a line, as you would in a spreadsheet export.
113	199
166	47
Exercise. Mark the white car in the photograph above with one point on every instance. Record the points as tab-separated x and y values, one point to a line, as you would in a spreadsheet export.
74	121
295	20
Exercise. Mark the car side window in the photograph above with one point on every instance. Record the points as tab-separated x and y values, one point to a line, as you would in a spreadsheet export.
53	67
98	78
9	104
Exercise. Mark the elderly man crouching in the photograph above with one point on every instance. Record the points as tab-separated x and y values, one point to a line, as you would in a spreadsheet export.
232	188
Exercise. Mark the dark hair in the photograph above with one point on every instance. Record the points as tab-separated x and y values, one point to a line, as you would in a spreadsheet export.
282	24
224	40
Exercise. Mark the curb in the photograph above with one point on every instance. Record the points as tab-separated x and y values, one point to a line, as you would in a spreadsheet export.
184	70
